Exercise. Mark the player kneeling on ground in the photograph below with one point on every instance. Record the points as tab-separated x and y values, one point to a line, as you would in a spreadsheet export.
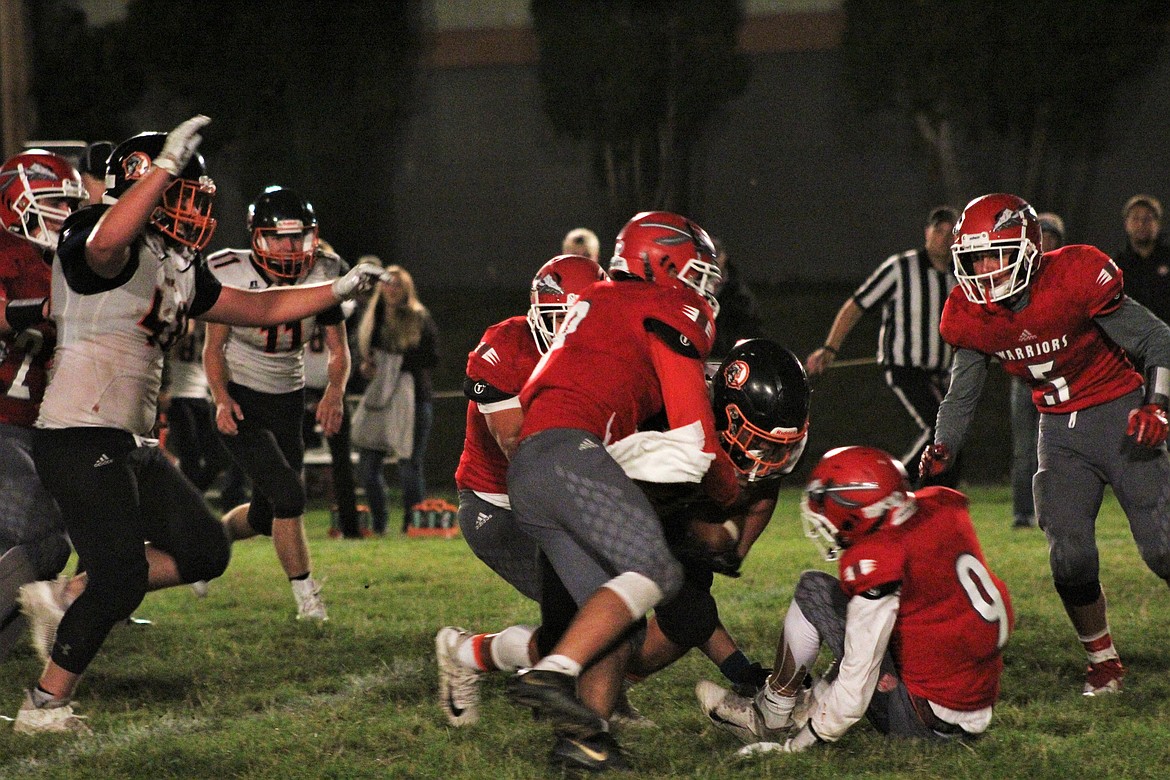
916	623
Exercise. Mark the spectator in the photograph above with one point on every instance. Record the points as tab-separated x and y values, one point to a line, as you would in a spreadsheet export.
911	288
738	317
1062	322
396	339
116	491
1145	260
340	450
581	241
916	622
38	190
1025	418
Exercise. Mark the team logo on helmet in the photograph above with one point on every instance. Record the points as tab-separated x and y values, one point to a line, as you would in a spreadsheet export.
136	165
38	172
549	284
1009	218
736	374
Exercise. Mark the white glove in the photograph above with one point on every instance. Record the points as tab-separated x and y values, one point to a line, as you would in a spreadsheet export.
181	144
361	278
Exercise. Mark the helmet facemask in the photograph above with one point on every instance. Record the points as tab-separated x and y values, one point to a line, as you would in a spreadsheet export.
283	260
544	319
758	454
705	279
184	215
1014	261
39	218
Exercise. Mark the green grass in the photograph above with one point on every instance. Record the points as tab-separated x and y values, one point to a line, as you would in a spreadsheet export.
233	687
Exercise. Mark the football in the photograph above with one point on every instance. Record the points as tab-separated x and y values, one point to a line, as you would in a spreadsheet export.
715	538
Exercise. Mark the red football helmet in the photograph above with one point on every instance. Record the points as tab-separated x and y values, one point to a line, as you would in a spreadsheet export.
999	227
555	288
38	190
670	250
852	492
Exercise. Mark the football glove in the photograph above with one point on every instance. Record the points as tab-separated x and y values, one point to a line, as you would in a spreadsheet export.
359	279
181	144
936	459
1148	425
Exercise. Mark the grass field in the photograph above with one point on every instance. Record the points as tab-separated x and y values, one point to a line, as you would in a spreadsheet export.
232	686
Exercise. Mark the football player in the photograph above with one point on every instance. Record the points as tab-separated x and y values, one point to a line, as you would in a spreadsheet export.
257	382
628	350
760	397
38	190
1061	321
916	621
127	276
496	371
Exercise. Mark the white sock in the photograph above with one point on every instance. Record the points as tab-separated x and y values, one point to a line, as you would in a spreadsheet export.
559	663
510	648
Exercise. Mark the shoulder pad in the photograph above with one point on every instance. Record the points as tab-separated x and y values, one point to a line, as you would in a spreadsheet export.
944	496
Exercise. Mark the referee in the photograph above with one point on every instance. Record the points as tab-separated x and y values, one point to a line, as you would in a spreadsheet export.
911	288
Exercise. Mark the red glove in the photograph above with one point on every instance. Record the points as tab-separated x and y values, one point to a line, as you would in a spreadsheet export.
1148	425
936	459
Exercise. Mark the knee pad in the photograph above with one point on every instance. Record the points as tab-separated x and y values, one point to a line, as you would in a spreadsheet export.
639	592
689	619
1079	595
291	502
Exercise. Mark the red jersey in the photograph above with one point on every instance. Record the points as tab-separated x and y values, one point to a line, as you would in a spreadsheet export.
496	370
1053	343
954	615
599	375
24	356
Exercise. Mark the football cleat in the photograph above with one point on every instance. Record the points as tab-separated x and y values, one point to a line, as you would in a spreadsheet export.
735	714
310	605
553	695
599	752
42	602
1104	677
52	718
200	588
458	685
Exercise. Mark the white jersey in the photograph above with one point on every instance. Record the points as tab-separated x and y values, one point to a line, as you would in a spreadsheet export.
269	360
112	333
184	366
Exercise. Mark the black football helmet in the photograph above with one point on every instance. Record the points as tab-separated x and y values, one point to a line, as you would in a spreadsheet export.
184	214
760	394
284	234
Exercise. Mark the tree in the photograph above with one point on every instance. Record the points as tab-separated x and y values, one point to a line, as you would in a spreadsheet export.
635	82
1011	95
313	94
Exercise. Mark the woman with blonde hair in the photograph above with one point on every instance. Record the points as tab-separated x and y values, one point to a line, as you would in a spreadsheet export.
398	346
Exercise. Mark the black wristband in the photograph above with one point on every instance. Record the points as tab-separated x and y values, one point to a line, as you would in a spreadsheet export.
827	348
24	313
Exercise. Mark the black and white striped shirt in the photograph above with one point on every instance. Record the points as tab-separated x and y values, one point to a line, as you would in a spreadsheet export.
912	293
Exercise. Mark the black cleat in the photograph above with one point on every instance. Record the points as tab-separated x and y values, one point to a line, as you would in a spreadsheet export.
597	753
553	696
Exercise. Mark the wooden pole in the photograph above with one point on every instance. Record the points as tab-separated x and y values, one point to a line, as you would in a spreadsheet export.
14	102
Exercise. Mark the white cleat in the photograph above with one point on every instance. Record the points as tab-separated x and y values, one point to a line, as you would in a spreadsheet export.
200	588
735	714
53	718
458	685
42	602
310	605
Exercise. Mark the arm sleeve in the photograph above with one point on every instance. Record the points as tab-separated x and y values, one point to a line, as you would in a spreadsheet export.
1135	329
968	374
684	396
869	623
